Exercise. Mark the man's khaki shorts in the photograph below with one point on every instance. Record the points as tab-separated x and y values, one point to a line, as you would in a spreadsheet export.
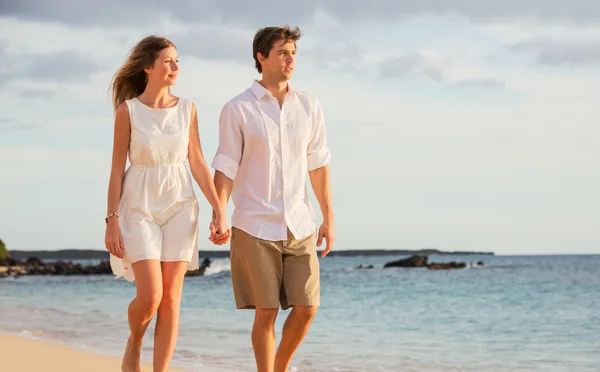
267	273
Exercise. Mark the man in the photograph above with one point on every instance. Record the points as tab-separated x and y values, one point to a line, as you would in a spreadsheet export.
269	137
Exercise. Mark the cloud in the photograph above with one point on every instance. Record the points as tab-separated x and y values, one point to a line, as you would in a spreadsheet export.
256	12
336	55
432	66
63	66
67	66
409	65
8	125
32	93
216	44
558	53
481	83
135	12
359	61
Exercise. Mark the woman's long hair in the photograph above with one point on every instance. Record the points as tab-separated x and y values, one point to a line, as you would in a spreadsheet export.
130	79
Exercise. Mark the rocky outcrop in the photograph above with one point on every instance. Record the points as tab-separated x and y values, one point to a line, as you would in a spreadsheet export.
412	261
422	261
9	262
447	266
200	271
35	266
12	271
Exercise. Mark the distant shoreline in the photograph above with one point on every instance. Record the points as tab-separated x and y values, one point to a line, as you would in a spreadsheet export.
82	254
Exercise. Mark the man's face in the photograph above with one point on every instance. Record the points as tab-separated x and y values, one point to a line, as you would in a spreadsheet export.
279	64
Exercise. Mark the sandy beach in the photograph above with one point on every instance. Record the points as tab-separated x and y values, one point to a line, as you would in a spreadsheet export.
24	355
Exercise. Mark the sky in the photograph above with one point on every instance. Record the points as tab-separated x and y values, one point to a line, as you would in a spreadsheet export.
457	125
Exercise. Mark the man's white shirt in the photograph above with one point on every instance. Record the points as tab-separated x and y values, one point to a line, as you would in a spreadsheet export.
267	152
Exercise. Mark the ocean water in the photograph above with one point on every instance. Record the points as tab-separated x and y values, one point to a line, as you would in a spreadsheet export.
537	313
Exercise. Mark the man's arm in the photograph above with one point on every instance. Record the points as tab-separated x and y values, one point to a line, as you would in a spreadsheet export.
318	158
319	179
223	186
227	160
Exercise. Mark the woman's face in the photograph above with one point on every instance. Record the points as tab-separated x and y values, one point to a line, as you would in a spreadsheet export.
165	68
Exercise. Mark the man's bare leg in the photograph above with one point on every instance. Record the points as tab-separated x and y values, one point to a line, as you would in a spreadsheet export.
263	339
295	328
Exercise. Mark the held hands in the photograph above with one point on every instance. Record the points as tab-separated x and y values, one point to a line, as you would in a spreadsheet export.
219	232
326	231
113	238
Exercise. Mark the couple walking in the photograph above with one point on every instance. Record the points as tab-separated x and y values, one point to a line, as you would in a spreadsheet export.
270	136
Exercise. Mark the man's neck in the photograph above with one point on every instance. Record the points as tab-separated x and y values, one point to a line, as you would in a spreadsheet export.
277	88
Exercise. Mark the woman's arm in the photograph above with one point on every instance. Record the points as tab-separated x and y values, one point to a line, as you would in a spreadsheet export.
200	170
122	136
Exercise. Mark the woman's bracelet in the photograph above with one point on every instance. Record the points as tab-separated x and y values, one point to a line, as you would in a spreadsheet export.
110	215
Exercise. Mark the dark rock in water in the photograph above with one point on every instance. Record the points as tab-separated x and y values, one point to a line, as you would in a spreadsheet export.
14	271
413	261
197	272
9	262
34	261
103	267
422	261
361	266
35	266
36	270
447	266
200	271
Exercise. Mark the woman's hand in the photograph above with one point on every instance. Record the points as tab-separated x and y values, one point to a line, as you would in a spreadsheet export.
113	238
219	232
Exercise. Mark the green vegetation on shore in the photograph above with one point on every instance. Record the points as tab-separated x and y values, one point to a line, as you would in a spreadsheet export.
3	251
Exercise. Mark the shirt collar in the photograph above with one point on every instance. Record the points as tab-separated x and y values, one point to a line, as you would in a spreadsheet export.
260	91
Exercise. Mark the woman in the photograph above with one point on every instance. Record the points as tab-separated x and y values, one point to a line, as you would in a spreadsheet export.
151	224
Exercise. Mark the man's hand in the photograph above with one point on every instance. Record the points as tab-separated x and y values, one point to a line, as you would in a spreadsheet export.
319	178
219	233
326	231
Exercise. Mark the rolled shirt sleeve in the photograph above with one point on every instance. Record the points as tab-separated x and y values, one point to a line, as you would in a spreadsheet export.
229	152
318	152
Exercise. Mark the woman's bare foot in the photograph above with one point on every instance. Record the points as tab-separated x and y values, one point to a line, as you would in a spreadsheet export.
131	359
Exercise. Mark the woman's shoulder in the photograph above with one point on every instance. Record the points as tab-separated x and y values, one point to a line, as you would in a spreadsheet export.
184	99
186	103
131	100
123	108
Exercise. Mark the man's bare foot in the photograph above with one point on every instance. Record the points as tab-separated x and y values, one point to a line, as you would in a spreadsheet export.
131	359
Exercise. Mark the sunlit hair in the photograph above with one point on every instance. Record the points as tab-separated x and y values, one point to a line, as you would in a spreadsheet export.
130	79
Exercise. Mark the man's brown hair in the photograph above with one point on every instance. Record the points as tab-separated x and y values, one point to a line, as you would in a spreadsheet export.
267	36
